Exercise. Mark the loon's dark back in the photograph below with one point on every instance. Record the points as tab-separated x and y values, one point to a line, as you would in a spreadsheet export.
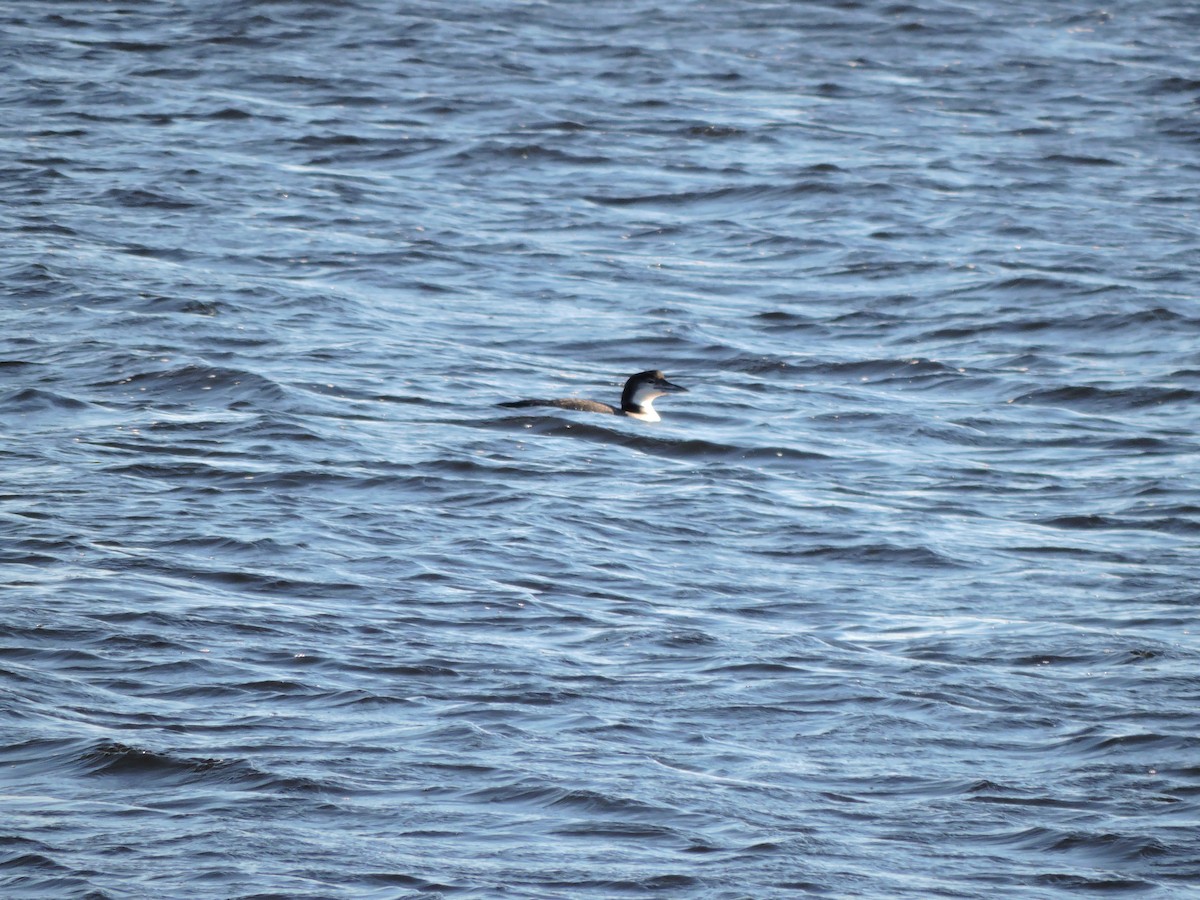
594	406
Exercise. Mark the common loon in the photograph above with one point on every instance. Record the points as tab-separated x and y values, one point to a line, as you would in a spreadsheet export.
637	401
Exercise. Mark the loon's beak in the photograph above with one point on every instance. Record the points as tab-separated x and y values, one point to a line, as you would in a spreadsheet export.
665	385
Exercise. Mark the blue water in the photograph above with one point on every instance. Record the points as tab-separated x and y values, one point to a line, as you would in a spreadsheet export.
899	601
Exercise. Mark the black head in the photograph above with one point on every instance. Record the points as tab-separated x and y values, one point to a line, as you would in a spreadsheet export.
642	388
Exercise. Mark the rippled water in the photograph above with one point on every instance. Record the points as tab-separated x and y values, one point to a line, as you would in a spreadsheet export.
898	601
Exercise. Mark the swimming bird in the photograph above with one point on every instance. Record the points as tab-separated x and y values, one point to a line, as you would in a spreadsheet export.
637	401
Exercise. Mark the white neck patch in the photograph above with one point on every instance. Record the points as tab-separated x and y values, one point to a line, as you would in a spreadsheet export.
644	398
647	412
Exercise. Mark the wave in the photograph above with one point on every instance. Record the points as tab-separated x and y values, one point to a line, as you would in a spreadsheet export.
200	384
730	196
551	425
1104	399
36	400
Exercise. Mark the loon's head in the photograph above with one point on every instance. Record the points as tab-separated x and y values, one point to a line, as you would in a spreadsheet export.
641	390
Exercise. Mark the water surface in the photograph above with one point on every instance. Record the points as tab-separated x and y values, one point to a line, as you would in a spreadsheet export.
898	601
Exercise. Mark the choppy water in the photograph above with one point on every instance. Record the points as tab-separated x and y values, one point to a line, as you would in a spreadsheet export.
898	601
